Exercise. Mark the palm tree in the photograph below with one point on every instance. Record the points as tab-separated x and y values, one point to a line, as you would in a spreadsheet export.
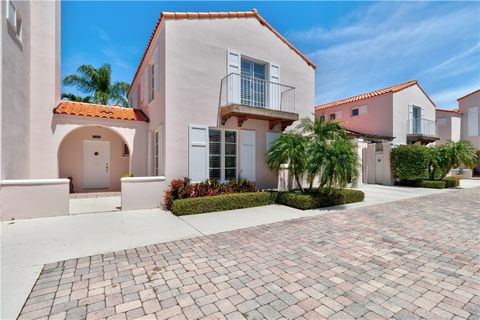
457	153
74	97
340	165
290	149
98	84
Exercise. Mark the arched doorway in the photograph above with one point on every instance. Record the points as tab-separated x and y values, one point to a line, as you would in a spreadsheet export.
95	158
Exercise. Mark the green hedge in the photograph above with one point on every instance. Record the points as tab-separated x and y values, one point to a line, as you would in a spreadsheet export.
410	162
319	199
435	184
223	202
451	182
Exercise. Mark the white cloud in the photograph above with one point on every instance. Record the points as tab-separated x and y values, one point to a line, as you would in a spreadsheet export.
388	43
445	97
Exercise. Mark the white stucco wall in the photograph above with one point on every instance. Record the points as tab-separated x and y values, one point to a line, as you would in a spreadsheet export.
142	192
464	105
448	125
15	84
196	61
401	100
192	62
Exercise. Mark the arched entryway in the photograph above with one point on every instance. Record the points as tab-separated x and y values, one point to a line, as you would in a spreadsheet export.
95	158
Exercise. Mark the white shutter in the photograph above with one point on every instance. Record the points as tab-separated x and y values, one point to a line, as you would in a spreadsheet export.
472	122
247	155
198	153
410	118
271	137
363	110
274	92
157	69
233	79
149	153
160	151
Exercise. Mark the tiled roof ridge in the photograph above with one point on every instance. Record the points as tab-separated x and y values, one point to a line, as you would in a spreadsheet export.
99	111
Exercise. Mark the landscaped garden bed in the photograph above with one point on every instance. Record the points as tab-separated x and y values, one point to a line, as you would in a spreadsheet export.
319	199
427	167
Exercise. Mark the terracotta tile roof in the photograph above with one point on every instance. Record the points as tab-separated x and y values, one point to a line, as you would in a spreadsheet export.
375	93
449	110
467	95
99	111
218	15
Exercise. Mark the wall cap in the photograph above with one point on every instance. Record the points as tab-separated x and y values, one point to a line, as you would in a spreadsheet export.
142	179
33	182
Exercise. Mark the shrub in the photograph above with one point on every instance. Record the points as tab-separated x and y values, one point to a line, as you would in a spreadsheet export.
183	189
435	184
222	202
451	182
410	162
319	198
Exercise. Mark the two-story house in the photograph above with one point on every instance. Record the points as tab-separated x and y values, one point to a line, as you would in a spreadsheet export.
402	113
218	88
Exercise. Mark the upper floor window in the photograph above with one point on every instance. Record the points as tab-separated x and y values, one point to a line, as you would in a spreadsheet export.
355	112
253	89
322	118
14	20
152	82
332	116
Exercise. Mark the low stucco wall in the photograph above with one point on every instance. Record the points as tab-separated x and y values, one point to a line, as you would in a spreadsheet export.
142	192
34	198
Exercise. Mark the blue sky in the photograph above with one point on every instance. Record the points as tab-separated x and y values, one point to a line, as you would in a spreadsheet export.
357	46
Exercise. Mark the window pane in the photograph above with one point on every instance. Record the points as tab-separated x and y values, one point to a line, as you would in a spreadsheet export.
230	174
215	173
215	161
230	162
214	135
215	148
332	116
246	68
230	149
259	71
354	112
231	136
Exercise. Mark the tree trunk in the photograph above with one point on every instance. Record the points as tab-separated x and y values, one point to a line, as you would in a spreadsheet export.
297	179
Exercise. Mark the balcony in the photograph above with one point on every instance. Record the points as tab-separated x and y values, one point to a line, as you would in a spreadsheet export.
246	98
421	130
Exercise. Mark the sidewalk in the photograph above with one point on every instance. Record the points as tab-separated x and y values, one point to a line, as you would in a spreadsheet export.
29	244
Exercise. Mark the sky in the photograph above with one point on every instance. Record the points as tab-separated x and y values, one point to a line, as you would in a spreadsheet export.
358	46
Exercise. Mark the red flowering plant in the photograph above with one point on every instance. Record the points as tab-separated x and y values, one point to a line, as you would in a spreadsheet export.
182	189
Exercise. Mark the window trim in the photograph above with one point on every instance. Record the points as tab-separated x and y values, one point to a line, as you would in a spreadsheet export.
222	152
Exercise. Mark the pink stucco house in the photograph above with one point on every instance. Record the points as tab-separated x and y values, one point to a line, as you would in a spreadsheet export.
402	113
212	91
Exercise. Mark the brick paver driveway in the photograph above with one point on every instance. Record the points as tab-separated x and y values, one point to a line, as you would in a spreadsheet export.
410	259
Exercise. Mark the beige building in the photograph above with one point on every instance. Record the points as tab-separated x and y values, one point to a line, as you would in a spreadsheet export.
448	125
30	88
402	114
218	88
211	93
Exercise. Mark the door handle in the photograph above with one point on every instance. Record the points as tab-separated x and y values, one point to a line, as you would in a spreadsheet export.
106	167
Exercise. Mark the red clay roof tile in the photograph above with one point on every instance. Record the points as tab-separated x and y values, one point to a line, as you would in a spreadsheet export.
449	110
217	15
375	93
469	94
99	111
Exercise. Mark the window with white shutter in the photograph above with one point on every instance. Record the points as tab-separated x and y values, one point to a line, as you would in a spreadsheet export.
472	122
233	82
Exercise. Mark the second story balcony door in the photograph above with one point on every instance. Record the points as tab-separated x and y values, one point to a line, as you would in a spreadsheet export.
416	120
252	86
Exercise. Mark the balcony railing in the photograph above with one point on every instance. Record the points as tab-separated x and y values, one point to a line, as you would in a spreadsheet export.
249	91
422	127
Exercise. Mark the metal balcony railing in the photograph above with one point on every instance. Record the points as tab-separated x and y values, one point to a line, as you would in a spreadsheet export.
422	126
253	92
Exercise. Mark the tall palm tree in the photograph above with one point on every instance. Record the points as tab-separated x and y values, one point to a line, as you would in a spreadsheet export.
74	97
290	149
97	83
458	153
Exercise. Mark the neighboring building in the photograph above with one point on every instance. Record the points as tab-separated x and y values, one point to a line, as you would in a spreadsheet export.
211	93
469	106
402	113
448	125
30	88
218	88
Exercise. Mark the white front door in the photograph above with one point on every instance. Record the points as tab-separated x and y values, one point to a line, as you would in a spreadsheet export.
247	155
379	167
96	164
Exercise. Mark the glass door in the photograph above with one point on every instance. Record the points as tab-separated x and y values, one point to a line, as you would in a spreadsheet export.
253	83
417	118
